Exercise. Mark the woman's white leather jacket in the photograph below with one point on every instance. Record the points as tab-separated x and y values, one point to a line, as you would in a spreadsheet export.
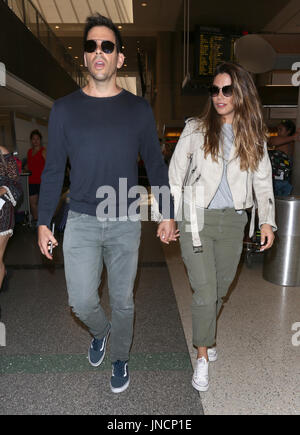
190	172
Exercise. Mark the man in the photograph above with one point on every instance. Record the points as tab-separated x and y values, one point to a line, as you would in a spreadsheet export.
101	129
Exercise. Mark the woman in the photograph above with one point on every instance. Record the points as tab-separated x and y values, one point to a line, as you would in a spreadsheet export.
10	192
36	158
287	135
281	155
218	162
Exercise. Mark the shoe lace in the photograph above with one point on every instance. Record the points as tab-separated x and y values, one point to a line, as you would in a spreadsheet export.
199	368
96	344
119	369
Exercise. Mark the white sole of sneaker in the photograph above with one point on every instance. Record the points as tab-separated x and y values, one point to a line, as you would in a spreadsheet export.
121	389
104	352
212	358
199	388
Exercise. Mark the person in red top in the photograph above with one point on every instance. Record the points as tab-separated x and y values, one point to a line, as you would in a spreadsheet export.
36	157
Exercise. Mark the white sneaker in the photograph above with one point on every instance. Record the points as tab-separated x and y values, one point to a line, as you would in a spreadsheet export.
212	354
200	379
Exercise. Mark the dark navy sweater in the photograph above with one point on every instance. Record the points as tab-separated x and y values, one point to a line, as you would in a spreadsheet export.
102	138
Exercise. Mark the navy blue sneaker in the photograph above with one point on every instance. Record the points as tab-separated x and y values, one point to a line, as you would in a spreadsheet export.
97	350
120	376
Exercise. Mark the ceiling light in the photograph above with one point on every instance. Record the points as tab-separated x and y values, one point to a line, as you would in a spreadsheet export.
57	27
279	85
70	48
144	4
76	57
120	27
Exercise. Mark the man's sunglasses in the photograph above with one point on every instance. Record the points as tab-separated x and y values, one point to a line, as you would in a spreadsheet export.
106	46
226	91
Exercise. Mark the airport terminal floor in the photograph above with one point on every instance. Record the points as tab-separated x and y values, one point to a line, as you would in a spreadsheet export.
44	368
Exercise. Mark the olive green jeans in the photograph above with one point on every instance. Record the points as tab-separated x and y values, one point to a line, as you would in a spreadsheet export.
212	271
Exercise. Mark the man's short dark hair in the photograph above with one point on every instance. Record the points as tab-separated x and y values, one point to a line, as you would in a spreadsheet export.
99	20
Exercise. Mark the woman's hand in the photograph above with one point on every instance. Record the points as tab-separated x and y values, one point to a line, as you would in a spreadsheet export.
167	231
3	191
266	237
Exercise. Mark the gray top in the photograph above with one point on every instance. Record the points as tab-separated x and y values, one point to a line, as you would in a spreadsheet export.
223	198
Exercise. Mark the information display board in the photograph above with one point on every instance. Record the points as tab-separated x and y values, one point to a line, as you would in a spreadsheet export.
211	49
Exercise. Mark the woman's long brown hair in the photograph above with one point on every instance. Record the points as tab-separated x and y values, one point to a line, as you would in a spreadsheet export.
2	158
248	125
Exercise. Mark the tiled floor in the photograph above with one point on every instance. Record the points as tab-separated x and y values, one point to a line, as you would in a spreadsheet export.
44	367
258	369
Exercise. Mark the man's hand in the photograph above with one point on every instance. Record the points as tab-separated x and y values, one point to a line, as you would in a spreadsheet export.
167	231
44	237
266	236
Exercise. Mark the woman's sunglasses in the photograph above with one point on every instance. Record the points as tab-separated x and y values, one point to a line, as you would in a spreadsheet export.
226	91
106	46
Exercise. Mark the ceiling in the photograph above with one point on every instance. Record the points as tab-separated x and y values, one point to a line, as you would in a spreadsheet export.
255	16
12	101
141	24
76	11
67	18
252	16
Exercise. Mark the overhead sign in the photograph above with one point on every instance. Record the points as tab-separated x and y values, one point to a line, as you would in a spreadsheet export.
211	49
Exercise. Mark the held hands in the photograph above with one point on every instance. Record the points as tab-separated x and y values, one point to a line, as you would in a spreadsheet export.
167	231
44	237
267	237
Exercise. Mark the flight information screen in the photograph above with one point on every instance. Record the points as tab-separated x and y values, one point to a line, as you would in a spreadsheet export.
211	49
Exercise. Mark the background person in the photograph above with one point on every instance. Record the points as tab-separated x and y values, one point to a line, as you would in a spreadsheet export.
36	158
287	135
282	156
10	192
224	153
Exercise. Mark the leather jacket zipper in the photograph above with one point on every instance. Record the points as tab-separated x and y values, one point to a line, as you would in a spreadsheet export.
218	182
187	174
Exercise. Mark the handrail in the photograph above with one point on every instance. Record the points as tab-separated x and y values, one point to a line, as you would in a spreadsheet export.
34	21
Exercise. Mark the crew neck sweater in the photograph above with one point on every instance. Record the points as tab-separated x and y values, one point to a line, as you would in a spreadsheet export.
102	138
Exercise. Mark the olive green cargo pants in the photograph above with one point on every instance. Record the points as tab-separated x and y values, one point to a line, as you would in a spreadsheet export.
212	271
